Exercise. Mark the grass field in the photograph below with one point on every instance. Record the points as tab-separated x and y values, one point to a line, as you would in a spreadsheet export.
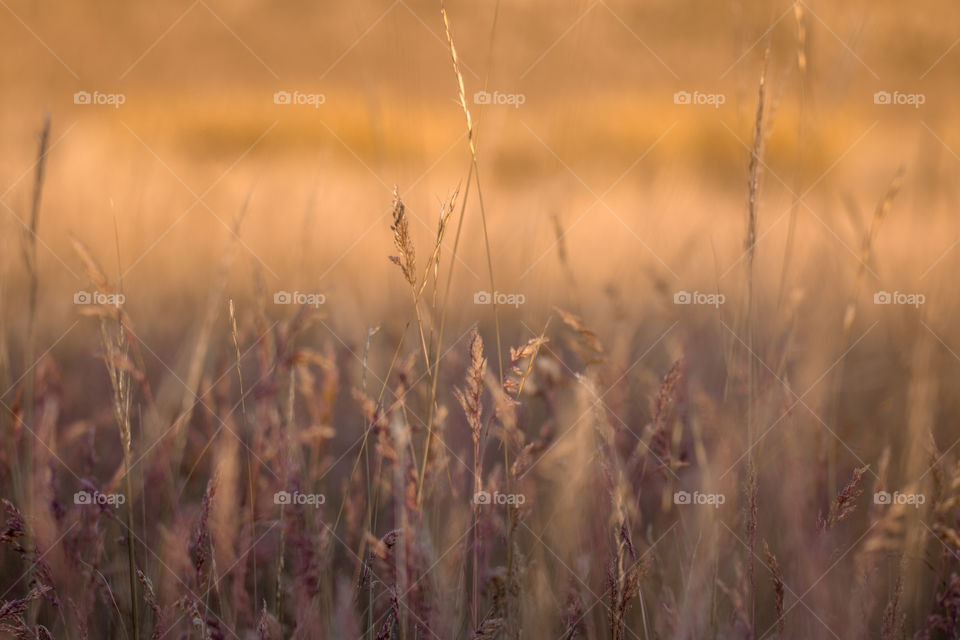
529	320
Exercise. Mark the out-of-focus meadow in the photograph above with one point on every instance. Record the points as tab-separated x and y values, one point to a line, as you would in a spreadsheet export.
699	299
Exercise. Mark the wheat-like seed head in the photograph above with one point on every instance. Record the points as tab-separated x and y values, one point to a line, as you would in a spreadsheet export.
469	397
401	239
462	90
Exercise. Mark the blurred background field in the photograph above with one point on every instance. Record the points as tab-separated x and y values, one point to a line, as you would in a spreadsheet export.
598	119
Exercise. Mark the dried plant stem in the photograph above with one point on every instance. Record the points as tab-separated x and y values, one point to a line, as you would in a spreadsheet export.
288	423
30	258
116	353
476	170
474	140
470	399
753	190
243	412
801	136
194	370
122	399
443	321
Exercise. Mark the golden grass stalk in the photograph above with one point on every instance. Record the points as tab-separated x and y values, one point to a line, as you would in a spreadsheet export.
866	247
116	349
469	399
476	170
750	241
407	260
30	259
846	501
801	136
433	263
474	142
201	345
776	576
251	494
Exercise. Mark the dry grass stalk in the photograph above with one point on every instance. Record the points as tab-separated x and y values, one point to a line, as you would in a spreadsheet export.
753	167
663	408
750	241
29	247
866	247
476	171
114	331
433	263
892	623
470	400
845	502
407	260
624	581
589	345
456	241
776	576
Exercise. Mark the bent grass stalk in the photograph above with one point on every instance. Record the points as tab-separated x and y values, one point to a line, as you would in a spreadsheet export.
30	259
473	139
753	187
